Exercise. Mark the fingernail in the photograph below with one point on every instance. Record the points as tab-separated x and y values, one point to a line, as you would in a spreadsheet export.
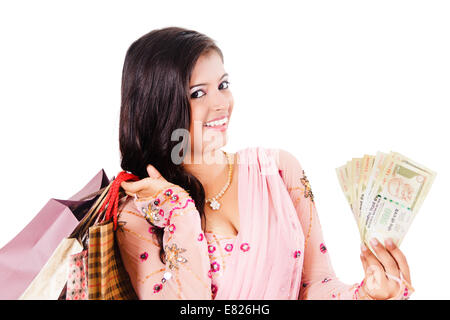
389	242
363	247
374	241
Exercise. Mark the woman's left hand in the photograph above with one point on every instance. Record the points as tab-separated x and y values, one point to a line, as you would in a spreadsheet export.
390	260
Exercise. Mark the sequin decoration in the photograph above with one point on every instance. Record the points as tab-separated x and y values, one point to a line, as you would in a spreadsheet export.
211	248
326	280
245	247
143	256
228	247
174	198
171	228
215	266
305	182
166	277
152	213
200	237
405	293
323	249
297	253
157	287
213	291
172	255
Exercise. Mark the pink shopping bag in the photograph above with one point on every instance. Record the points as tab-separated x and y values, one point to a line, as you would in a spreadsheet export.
23	257
76	287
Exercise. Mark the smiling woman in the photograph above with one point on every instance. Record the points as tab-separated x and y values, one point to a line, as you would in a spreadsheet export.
260	236
211	103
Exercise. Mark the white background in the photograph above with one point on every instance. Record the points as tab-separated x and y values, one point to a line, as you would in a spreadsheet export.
325	80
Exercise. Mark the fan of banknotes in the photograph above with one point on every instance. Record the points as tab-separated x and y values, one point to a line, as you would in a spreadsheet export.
385	193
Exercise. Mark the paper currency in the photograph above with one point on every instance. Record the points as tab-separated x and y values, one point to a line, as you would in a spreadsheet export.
385	193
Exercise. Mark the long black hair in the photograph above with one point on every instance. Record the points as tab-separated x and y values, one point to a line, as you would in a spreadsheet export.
155	102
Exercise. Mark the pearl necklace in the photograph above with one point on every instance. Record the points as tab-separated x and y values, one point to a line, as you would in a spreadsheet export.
213	203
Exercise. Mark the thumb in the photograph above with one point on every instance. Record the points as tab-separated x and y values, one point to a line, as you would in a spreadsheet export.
153	173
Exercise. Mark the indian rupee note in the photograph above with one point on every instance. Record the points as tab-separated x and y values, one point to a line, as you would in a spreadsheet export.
399	193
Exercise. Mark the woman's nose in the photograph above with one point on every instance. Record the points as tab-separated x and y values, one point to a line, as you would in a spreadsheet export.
220	107
219	101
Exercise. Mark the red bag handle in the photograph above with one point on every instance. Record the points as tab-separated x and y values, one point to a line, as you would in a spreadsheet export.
112	198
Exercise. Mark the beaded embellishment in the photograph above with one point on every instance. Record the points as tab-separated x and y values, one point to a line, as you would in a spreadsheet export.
152	213
143	256
215	266
325	280
157	287
245	247
213	291
171	228
172	255
308	191
166	277
211	248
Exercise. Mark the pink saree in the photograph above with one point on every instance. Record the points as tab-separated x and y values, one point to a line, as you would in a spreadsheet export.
269	224
279	252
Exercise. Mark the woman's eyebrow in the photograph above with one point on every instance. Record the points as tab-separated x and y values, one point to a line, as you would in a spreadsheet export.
202	84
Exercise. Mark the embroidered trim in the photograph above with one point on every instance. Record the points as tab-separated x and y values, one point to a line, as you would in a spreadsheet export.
172	255
140	236
222	254
308	191
151	274
186	267
133	213
153	213
177	279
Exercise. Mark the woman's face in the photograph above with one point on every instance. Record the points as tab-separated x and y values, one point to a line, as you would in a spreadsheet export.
210	99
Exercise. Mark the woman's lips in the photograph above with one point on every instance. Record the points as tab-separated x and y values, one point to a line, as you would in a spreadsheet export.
222	127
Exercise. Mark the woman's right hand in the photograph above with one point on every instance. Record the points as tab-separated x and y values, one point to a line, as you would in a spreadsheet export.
146	187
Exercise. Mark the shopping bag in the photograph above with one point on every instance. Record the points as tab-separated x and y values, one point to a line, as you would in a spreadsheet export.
54	277
107	276
25	255
76	275
76	288
50	281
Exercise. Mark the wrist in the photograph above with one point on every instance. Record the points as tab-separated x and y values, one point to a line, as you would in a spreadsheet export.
361	292
405	289
158	208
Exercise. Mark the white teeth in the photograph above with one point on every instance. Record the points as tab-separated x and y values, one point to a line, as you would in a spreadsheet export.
216	123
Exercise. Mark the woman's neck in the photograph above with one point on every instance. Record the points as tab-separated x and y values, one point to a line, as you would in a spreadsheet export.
211	169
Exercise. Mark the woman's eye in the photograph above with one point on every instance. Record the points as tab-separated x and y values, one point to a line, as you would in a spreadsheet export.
227	84
197	94
201	93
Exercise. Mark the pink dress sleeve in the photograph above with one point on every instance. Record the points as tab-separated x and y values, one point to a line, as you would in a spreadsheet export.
318	278
185	274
